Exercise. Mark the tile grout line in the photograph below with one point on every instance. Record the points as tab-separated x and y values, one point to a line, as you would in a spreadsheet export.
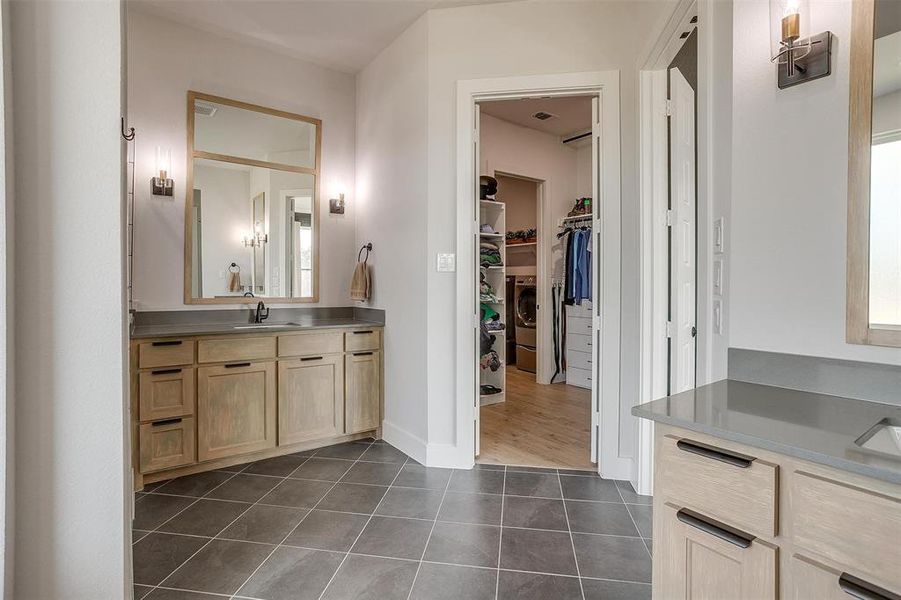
634	523
500	539
429	538
346	554
309	512
570	531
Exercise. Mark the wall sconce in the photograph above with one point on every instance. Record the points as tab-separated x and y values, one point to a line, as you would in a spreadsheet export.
258	238
799	56
336	202
162	185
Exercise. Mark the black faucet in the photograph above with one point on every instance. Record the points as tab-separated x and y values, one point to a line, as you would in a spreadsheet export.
258	315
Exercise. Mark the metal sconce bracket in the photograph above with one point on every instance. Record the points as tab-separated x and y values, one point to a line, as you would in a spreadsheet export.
162	187
815	62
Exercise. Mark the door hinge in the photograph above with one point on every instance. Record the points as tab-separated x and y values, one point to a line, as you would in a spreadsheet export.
669	329
669	217
694	331
595	419
668	108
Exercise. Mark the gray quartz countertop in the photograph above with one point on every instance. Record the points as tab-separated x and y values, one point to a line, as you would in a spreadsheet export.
302	324
809	426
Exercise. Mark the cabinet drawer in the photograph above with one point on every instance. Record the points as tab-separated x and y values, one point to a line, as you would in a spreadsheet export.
368	339
578	360
165	353
310	344
810	579
166	393
579	343
578	377
167	444
235	349
579	310
856	528
738	489
578	326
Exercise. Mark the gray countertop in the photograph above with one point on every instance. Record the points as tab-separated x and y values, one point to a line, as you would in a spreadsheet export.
301	324
809	426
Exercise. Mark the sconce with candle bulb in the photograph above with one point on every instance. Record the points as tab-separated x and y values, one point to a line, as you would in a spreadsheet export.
162	185
799	56
258	238
336	199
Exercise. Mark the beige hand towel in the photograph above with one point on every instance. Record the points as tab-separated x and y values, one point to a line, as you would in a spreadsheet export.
361	284
234	281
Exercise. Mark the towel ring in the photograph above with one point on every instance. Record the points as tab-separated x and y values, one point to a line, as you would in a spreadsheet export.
367	248
234	266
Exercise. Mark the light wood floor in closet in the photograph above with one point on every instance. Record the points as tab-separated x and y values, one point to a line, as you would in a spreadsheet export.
538	425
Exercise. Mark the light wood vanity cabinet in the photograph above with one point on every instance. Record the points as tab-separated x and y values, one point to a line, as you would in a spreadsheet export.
731	521
204	402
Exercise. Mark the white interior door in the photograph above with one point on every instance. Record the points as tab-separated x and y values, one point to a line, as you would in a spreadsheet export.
683	224
596	281
476	170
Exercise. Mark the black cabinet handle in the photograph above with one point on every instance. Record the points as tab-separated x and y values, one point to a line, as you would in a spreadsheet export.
361	332
167	343
863	590
723	532
166	422
236	365
362	353
736	460
165	372
311	358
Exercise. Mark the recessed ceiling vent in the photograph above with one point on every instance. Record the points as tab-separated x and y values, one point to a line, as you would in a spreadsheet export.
204	108
543	116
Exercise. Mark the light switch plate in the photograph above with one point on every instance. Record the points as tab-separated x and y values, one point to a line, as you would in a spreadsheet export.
447	263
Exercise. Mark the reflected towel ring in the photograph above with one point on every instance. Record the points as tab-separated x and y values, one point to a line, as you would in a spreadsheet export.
367	248
234	266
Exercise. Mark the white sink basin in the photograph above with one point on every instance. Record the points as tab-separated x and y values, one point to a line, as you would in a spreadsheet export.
884	437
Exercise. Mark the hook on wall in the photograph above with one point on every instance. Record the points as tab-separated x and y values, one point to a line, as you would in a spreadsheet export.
368	248
130	135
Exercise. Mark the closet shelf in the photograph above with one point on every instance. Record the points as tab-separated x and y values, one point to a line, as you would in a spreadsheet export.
493	236
492	204
526	245
492	267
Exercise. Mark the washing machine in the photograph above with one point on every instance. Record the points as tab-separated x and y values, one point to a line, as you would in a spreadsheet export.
525	304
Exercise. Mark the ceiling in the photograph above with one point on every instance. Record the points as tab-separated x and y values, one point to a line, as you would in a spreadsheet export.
339	34
572	114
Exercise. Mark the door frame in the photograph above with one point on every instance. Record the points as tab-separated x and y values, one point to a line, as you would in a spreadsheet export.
612	463
653	181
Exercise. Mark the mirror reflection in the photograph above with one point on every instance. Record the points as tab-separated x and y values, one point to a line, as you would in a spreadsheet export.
885	169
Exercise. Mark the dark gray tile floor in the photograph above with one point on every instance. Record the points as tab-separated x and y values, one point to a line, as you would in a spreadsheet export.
362	520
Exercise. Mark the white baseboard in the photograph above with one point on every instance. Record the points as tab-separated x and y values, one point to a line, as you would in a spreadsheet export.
449	456
619	468
405	441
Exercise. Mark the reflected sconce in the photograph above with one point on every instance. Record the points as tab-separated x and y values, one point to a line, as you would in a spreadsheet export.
799	56
258	238
336	201
162	185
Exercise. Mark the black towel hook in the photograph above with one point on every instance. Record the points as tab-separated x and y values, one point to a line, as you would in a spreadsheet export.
367	248
131	131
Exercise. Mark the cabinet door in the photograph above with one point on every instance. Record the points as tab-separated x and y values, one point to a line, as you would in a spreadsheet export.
310	398
235	409
363	391
696	558
167	444
166	393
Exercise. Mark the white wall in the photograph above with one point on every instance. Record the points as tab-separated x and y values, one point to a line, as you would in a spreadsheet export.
165	60
72	540
521	38
392	177
887	113
789	196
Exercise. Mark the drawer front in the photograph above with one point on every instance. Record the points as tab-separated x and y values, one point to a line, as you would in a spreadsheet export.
810	579
578	326
166	393
165	353
235	349
736	489
167	444
579	310
368	339
578	377
311	344
578	360
856	528
579	343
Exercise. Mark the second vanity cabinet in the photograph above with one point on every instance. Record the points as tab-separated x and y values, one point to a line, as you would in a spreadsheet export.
201	403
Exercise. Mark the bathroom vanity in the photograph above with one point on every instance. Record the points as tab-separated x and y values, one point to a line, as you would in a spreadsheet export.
238	393
765	492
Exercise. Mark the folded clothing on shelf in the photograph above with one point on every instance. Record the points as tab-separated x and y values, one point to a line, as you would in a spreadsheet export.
490	360
486	292
489	254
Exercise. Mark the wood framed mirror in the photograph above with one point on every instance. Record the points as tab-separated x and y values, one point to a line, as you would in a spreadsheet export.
874	175
252	203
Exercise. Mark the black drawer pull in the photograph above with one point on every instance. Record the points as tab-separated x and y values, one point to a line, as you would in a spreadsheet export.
168	343
362	353
166	422
736	460
361	332
237	365
723	532
311	358
165	372
863	590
